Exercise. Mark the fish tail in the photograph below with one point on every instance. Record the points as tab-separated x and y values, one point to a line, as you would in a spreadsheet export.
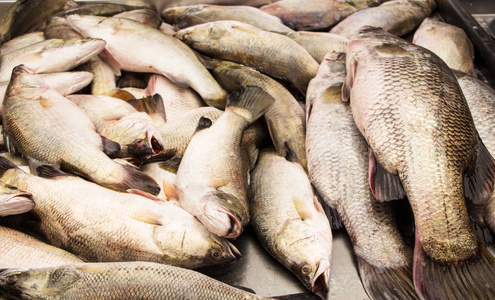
251	102
135	179
387	283
473	278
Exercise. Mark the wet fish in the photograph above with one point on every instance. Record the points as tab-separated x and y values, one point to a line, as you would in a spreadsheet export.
447	41
100	224
19	250
99	9
318	44
265	51
186	16
397	17
215	190
146	16
54	55
111	281
48	128
289	221
27	16
180	64
118	121
285	118
315	14
14	201
22	41
423	143
384	260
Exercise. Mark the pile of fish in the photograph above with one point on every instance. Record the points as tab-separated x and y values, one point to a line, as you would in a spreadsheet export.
153	138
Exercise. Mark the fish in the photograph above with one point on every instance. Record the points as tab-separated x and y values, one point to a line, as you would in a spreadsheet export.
215	190
151	105
58	28
167	29
99	9
285	119
20	250
146	16
186	16
53	55
119	122
384	260
14	201
163	172
447	41
318	44
111	281
256	3
29	15
22	41
423	144
180	65
100	224
267	52
315	14
397	17
289	221
50	129
177	100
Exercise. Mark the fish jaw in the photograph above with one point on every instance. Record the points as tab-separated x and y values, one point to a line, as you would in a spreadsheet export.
220	222
320	282
14	204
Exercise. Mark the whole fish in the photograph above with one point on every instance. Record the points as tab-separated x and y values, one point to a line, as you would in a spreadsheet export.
186	16
27	16
118	121
214	190
104	225
289	221
111	281
179	63
146	16
265	51
318	44
46	127
19	250
22	41
447	41
53	55
285	118
340	175
423	144
315	14
397	17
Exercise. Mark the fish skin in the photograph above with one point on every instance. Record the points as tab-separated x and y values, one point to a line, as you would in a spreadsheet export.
99	9
118	121
340	175
22	41
59	133
19	250
54	55
146	16
186	16
180	64
397	17
285	118
424	125
289	220
318	44
315	14
216	190
100	224
268	52
447	41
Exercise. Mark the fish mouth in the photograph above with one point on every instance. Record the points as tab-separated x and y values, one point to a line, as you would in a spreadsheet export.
156	146
17	204
321	280
235	226
234	251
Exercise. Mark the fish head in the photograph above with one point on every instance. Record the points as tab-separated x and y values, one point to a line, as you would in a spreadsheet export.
13	201
93	26
79	50
204	35
313	271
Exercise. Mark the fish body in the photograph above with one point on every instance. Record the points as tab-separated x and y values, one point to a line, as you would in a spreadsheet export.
447	41
215	190
397	17
186	16
180	64
318	44
45	126
146	16
289	221
22	41
265	51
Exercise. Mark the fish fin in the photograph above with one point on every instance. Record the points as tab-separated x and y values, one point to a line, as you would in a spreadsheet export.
152	105
479	178
478	224
179	81
250	103
146	216
469	279
110	147
252	152
386	283
108	57
8	142
301	296
92	267
248	29
283	148
169	190
47	171
133	162
170	165
120	94
385	186
46	102
332	214
203	123
349	81
246	289
304	210
135	179
144	194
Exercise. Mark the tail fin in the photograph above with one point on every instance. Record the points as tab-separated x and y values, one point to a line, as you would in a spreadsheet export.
135	179
153	106
250	103
387	283
470	279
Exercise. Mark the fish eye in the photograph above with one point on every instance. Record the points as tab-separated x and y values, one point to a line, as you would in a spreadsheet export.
216	254
306	269
11	280
140	142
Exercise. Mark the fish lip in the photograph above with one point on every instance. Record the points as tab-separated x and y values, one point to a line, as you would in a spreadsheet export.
234	251
235	225
156	145
321	280
17	204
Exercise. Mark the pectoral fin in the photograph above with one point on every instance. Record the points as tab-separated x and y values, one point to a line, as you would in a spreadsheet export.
384	185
